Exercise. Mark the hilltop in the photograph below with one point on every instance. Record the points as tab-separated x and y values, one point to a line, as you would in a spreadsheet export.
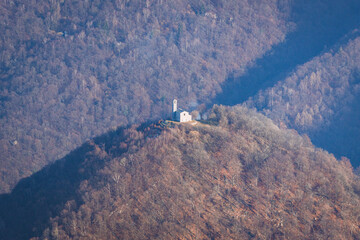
235	175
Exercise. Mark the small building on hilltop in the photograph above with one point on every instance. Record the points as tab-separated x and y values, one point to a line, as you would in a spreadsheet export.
179	115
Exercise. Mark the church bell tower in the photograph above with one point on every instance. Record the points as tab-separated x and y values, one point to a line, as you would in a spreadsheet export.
174	109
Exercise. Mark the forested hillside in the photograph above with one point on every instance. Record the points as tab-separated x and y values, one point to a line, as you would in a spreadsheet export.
321	98
70	70
319	25
235	176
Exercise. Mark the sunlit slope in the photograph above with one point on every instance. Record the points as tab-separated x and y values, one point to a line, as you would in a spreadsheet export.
236	175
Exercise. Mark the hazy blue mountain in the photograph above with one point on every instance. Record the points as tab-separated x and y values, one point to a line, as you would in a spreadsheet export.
71	70
321	98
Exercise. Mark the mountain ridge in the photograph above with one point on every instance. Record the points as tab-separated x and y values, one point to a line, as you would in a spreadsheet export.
320	97
235	175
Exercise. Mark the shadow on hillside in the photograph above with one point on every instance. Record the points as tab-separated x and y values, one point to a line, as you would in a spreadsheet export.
27	210
342	137
319	26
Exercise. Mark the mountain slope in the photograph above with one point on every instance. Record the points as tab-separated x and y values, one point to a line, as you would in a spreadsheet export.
319	25
71	70
235	176
321	99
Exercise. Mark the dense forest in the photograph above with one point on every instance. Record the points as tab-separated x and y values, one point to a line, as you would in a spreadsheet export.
236	175
319	26
321	98
71	70
83	154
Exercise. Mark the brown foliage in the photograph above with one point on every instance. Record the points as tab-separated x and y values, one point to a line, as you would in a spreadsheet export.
240	177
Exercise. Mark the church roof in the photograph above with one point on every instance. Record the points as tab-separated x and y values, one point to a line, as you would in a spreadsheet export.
180	110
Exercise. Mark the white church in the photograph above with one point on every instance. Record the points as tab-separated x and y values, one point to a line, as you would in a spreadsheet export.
179	115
